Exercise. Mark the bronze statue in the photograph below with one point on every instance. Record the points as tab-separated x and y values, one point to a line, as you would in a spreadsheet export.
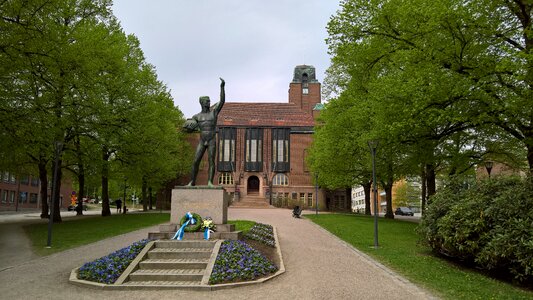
206	120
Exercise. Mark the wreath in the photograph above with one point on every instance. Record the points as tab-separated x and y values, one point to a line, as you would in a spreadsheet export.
197	222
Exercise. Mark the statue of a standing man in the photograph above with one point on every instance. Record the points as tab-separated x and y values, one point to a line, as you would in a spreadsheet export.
206	120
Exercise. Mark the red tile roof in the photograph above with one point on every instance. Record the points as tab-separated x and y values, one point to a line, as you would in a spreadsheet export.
263	114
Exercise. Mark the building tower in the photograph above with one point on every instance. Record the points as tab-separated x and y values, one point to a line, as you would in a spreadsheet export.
304	90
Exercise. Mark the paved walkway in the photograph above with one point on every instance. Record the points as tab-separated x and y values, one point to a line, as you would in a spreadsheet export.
318	266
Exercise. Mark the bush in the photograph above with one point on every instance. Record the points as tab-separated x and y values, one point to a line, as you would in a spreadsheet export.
488	224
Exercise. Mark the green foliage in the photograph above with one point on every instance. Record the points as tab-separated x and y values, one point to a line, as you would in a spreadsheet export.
488	224
70	74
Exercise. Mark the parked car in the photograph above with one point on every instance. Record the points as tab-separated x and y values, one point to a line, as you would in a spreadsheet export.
73	207
404	211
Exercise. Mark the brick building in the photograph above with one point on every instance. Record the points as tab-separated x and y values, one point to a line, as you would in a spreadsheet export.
261	149
24	192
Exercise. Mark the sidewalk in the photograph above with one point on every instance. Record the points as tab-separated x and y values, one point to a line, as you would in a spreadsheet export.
318	266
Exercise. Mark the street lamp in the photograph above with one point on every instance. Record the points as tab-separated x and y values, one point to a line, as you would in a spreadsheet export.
488	166
373	144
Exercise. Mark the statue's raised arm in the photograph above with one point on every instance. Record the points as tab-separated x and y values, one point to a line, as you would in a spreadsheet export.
219	105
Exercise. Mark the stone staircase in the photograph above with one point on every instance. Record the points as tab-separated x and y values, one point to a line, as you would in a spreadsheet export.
251	201
170	263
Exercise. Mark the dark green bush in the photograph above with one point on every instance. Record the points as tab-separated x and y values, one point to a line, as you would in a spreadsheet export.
489	224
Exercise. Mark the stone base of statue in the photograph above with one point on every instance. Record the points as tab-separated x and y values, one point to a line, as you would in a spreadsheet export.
203	200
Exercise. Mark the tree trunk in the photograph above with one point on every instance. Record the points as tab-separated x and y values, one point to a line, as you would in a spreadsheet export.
150	198
388	197
43	177
105	187
430	179
388	193
367	186
143	192
423	189
81	178
81	181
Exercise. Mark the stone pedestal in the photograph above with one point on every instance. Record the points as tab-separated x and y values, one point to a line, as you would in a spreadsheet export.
205	201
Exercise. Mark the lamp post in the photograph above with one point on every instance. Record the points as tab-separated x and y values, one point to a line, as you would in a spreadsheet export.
488	166
373	144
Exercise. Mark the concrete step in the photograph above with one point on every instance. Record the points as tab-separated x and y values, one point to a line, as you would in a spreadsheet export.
167	275
178	253
161	283
185	244
181	263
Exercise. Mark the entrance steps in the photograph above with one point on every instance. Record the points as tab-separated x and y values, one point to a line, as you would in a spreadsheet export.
251	201
169	263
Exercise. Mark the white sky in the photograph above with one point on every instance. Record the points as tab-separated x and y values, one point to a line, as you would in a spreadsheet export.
253	44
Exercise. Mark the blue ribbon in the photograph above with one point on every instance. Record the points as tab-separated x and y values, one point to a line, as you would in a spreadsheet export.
207	233
179	234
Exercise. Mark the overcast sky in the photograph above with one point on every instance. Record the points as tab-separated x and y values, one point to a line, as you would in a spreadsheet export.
253	44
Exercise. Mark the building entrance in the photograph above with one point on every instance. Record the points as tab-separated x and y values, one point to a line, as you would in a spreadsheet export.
253	185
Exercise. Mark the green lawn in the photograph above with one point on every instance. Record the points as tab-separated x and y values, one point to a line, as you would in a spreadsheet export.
88	229
399	249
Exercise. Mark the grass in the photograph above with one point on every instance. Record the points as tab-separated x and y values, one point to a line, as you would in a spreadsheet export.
399	249
242	225
77	232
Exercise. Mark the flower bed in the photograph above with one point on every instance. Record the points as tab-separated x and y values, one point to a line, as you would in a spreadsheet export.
237	261
108	269
263	233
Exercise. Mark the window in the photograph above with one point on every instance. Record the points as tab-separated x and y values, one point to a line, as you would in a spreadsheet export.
310	199
23	197
306	167
12	197
13	178
305	84
225	179
280	180
280	149
33	198
254	150
3	196
25	179
5	176
226	149
294	195
34	181
302	198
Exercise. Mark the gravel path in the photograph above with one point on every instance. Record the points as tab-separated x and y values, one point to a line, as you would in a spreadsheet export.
318	266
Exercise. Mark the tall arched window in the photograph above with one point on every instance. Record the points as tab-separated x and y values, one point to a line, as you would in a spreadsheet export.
280	180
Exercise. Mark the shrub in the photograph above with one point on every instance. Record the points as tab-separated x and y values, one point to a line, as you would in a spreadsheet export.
489	225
